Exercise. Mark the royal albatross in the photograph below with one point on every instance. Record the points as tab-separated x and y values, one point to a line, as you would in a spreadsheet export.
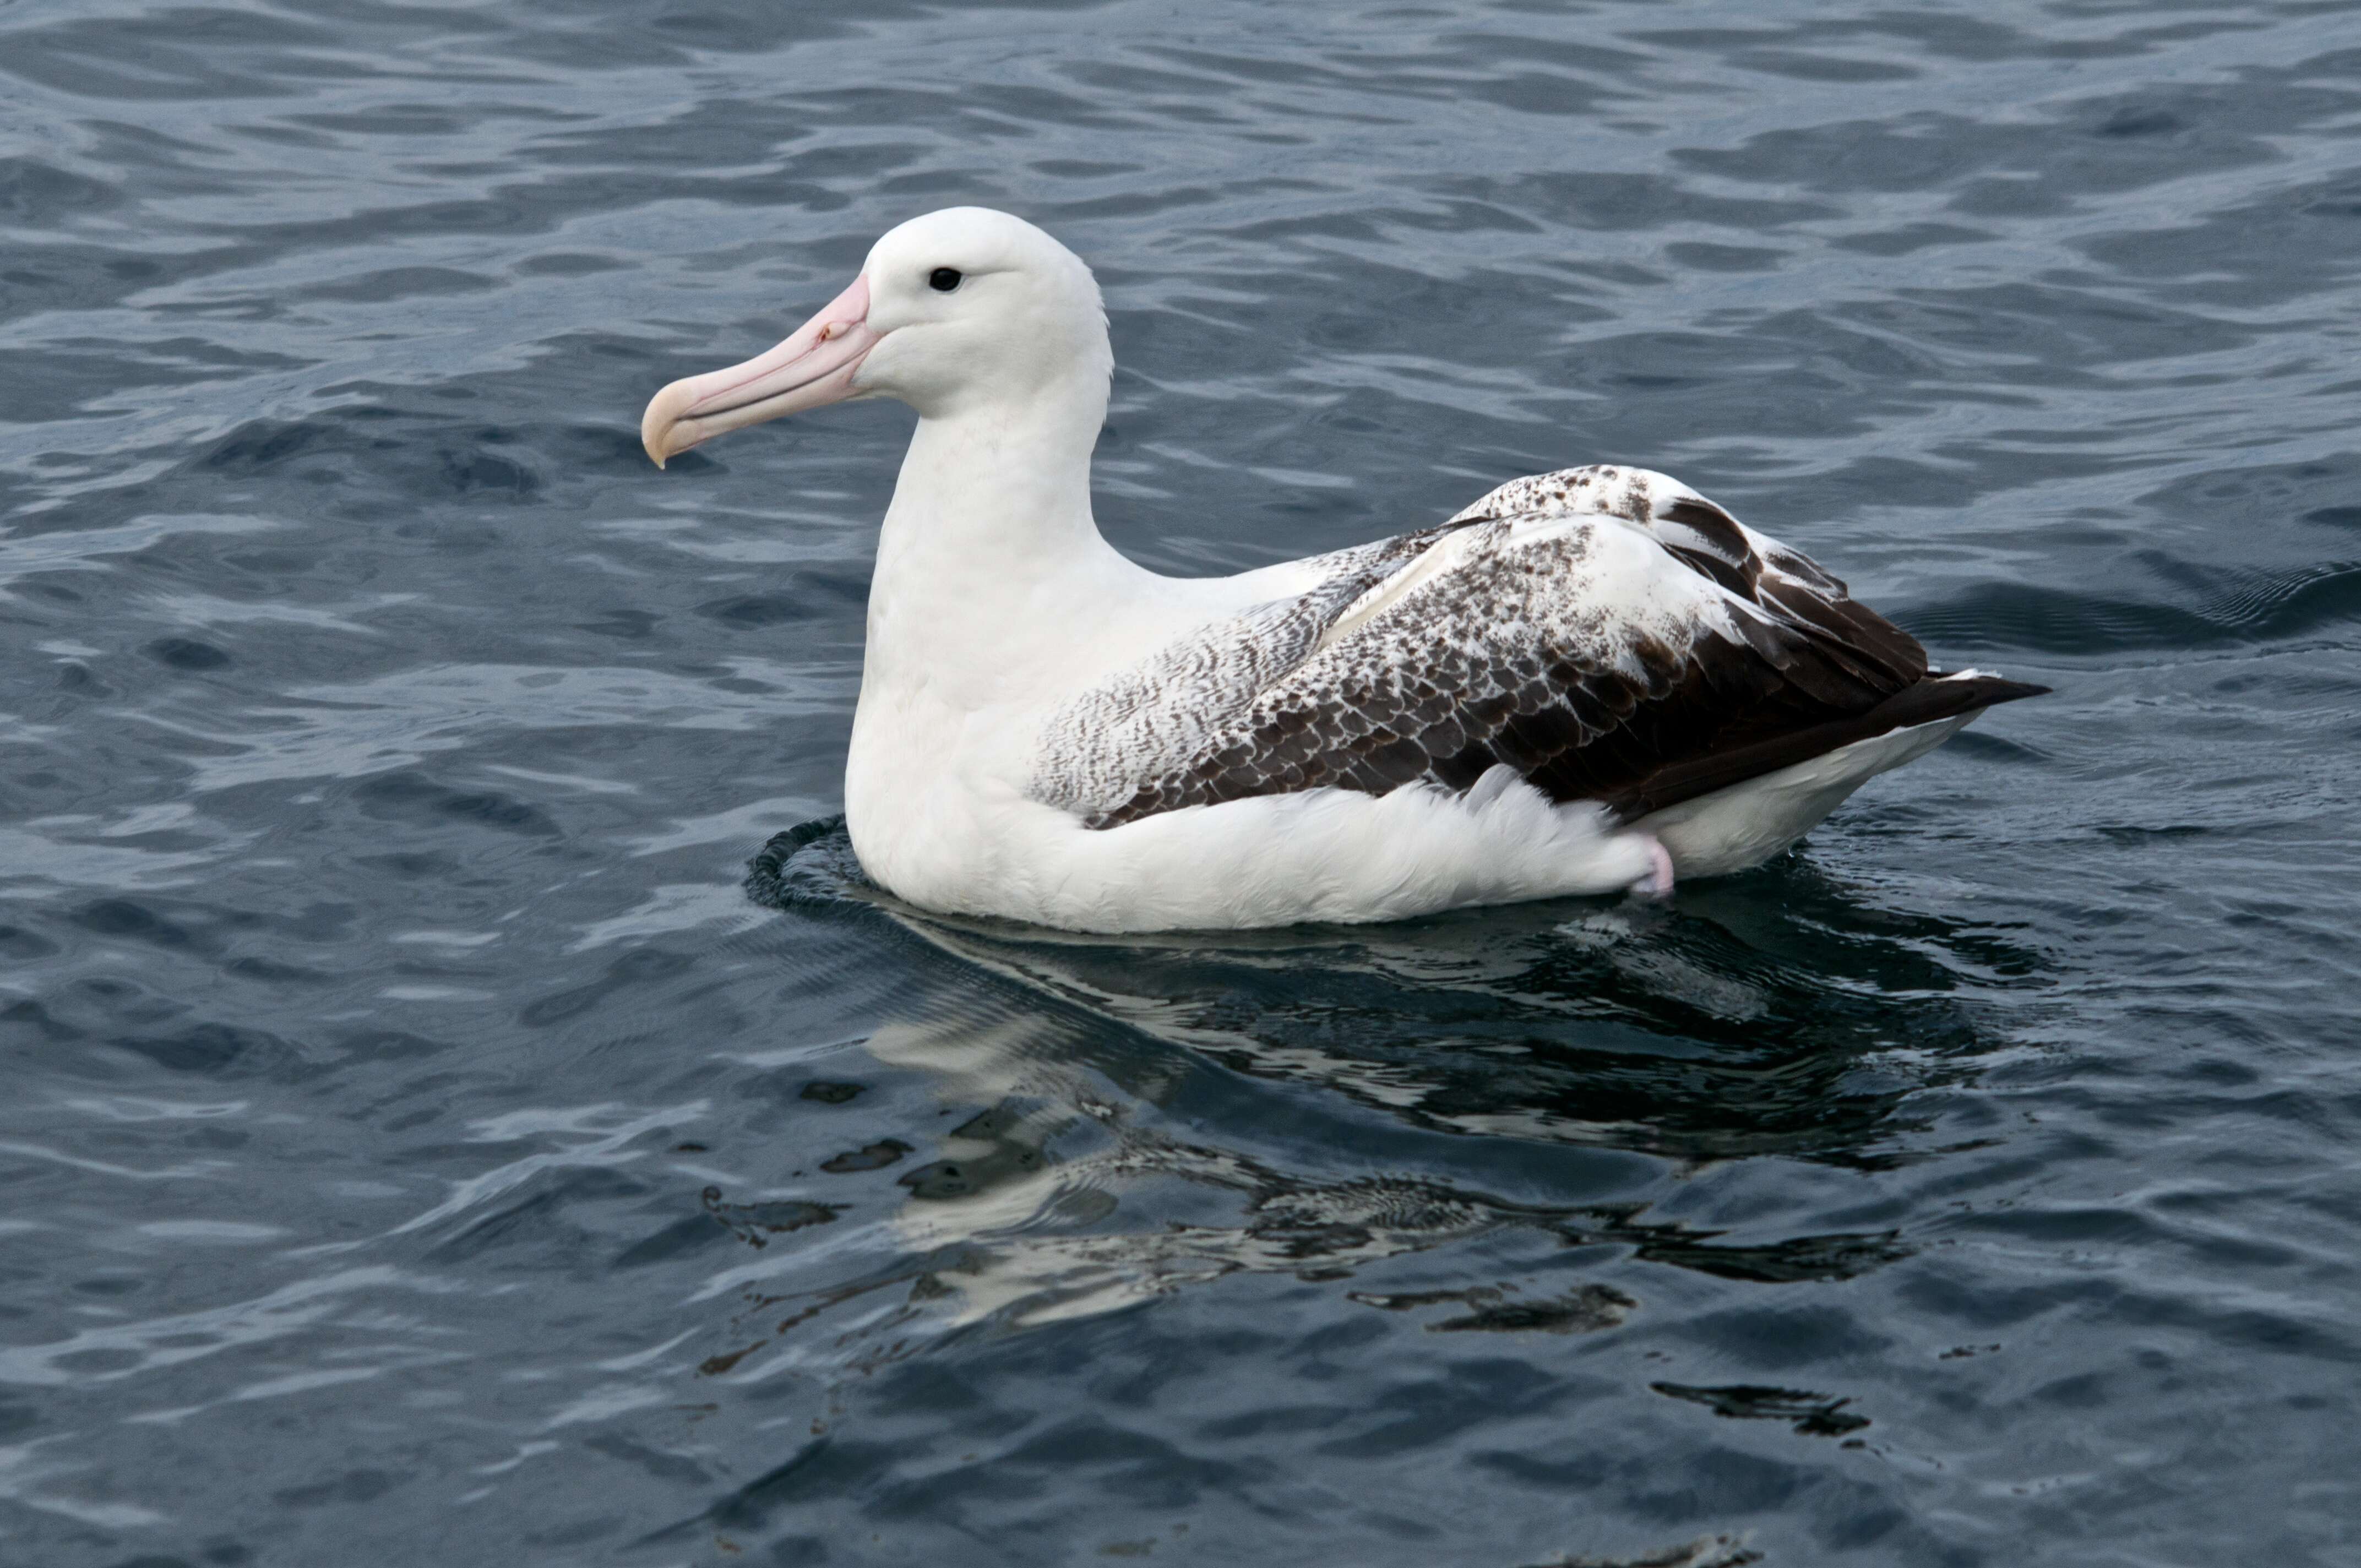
1588	681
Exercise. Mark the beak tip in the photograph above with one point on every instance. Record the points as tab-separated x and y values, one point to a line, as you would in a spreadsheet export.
663	414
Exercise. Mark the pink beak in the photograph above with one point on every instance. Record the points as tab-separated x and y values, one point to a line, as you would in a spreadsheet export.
813	368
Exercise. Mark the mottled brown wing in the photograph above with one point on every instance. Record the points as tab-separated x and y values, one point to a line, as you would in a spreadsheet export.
1607	634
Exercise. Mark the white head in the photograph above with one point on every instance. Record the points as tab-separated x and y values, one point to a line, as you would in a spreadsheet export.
958	309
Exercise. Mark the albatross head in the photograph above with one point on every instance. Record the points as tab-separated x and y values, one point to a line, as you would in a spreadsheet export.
951	310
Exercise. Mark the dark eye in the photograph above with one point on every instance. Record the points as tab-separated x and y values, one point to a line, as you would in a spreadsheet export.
943	279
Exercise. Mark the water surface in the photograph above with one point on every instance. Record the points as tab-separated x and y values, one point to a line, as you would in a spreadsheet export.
421	1148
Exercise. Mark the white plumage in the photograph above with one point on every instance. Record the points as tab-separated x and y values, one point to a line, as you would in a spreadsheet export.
1587	680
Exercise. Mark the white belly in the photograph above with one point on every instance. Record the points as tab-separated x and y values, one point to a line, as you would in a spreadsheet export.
1281	859
938	813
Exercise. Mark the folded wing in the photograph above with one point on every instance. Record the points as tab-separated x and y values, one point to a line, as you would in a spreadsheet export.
1606	632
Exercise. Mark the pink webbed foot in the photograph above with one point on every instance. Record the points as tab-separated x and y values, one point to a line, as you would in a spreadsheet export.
1658	882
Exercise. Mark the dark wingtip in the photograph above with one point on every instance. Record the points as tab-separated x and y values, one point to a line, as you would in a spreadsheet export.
1930	701
1992	690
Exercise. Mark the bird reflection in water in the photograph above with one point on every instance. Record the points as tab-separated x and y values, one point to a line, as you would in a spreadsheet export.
1106	1160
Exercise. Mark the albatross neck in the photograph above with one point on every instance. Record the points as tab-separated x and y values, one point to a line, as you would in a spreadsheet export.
1004	478
990	556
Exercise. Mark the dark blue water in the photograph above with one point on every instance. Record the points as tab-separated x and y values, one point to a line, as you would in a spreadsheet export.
419	1148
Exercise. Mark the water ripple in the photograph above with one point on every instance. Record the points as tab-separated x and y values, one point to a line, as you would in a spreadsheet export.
420	1137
